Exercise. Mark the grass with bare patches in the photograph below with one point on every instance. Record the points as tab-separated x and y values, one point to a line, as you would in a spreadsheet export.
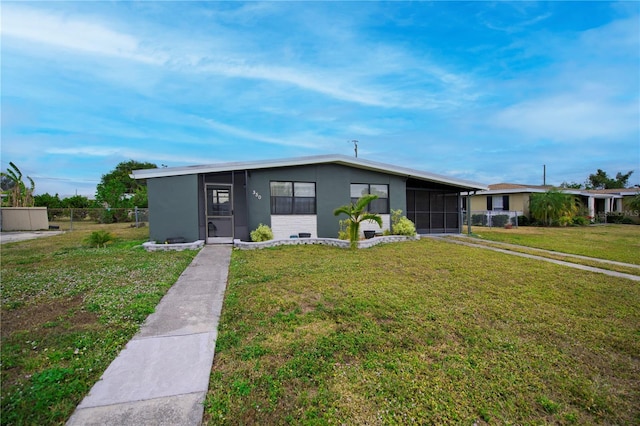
422	332
613	242
67	310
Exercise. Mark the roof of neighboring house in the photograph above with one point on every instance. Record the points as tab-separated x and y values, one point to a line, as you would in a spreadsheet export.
615	191
515	188
506	186
304	161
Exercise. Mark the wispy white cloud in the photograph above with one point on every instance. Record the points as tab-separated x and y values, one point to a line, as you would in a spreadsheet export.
86	35
72	33
590	91
519	26
422	85
299	141
570	118
331	86
125	153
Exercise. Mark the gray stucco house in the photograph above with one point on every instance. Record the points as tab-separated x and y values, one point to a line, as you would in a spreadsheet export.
298	195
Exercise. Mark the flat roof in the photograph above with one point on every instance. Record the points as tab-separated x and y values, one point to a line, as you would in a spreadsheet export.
305	161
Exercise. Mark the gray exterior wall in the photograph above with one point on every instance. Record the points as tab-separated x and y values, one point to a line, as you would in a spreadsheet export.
177	205
173	207
332	190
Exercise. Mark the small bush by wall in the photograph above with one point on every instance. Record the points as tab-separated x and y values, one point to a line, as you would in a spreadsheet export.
581	221
522	221
499	220
401	225
479	220
404	226
261	233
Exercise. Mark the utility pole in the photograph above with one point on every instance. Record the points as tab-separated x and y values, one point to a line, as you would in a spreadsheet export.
355	146
544	175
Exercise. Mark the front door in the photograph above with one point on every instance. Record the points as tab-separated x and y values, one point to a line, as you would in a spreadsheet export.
219	212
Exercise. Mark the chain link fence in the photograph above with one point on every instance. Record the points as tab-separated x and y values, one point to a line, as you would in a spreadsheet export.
69	219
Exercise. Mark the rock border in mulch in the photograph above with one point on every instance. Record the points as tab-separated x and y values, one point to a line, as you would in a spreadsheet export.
153	246
244	245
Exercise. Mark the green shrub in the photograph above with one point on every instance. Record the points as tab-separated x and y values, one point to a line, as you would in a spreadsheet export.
401	225
614	218
404	226
627	221
262	233
522	221
106	216
99	238
479	220
565	220
580	221
499	220
343	232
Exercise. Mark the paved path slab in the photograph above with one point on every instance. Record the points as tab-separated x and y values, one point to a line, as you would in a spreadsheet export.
162	375
12	237
546	259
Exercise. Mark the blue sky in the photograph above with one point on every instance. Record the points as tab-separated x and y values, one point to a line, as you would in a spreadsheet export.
486	91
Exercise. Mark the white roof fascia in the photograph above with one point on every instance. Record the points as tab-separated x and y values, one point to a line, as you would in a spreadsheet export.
303	161
539	190
511	191
602	196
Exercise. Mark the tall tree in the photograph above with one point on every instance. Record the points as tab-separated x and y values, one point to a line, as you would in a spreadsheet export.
117	188
571	185
47	200
600	180
634	203
76	202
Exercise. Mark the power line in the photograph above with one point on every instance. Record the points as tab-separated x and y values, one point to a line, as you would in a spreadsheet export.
65	179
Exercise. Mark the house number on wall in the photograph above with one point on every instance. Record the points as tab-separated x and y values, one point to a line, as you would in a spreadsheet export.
258	196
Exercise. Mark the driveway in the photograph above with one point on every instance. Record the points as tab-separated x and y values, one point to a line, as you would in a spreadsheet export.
12	237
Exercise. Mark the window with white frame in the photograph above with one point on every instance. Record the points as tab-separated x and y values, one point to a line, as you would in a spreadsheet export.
498	203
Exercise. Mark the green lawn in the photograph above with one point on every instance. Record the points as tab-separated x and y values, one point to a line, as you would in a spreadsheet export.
67	310
423	332
612	242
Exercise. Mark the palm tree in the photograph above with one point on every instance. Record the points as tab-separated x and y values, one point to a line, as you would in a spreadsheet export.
550	206
634	203
357	213
19	194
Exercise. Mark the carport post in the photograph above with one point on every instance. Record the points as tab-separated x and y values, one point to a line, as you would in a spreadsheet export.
469	213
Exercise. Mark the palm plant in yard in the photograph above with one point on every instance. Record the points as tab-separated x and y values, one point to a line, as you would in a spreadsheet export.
634	203
549	207
356	214
19	194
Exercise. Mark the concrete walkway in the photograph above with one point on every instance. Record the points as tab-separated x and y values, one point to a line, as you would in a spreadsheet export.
470	243
162	375
12	237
